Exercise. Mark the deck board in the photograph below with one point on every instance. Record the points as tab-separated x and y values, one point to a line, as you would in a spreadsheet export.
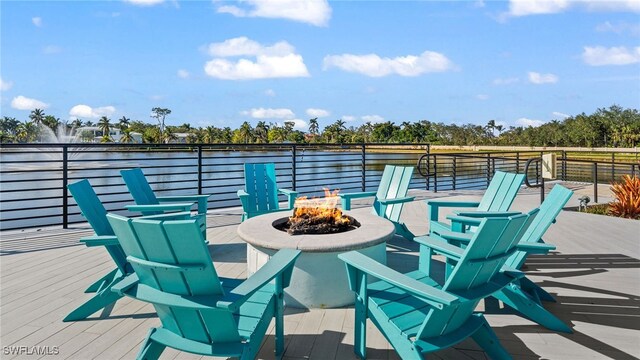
594	275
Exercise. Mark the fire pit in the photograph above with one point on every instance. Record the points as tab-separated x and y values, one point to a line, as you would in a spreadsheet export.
317	216
319	279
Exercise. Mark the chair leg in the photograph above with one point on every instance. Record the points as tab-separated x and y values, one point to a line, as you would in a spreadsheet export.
487	339
514	297
402	230
150	350
360	331
279	330
101	300
97	286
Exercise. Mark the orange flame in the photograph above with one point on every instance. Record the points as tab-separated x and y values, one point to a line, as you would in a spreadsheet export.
322	209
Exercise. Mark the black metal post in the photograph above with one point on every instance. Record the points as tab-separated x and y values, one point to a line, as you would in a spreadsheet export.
564	165
488	169
542	189
427	178
517	162
65	182
595	182
364	167
293	167
199	169
613	167
454	172
435	174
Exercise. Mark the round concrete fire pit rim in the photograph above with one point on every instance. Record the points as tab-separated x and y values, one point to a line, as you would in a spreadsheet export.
259	231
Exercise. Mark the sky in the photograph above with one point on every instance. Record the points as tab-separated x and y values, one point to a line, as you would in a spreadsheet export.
222	63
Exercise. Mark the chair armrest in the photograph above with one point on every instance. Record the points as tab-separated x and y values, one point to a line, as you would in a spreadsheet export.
535	248
244	199
104	240
424	292
434	205
125	284
200	199
280	264
291	197
486	214
464	220
454	236
396	200
183	215
288	192
512	273
440	247
345	199
160	207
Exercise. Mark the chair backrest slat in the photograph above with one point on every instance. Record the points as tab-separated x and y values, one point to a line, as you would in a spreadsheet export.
501	192
139	187
174	243
91	207
260	184
394	184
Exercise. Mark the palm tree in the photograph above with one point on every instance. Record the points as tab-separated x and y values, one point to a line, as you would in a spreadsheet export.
262	132
168	135
104	125
36	116
126	136
210	133
27	132
106	138
76	124
246	132
314	129
123	123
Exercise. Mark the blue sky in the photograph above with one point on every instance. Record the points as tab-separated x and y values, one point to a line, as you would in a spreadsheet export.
224	62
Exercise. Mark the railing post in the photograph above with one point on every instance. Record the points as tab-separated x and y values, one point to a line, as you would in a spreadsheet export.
541	189
454	172
517	162
564	165
293	166
613	167
595	182
488	169
65	182
199	169
364	167
427	178
435	174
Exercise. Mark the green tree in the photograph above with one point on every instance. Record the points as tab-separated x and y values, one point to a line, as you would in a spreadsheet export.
126	137
36	116
104	124
160	115
261	132
123	123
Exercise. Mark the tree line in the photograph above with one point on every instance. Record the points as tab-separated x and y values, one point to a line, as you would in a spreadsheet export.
606	127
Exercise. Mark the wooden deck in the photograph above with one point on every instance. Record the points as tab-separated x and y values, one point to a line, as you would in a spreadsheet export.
594	274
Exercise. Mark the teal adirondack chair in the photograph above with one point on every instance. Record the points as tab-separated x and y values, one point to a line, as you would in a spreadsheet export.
416	314
149	204
260	194
200	312
95	213
390	197
523	295
498	197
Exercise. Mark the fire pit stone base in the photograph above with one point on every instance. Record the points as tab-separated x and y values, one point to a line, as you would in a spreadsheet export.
319	278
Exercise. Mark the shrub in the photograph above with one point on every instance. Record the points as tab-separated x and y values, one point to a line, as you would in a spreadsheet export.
627	198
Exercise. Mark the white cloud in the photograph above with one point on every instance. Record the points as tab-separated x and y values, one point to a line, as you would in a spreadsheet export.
314	12
372	118
183	74
24	103
537	78
375	66
317	113
86	111
5	85
538	7
529	122
144	2
262	113
620	27
505	81
560	115
244	46
349	118
482	97
599	55
51	49
270	92
37	21
276	61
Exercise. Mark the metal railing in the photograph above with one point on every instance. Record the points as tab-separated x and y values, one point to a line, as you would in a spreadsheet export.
456	171
34	177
